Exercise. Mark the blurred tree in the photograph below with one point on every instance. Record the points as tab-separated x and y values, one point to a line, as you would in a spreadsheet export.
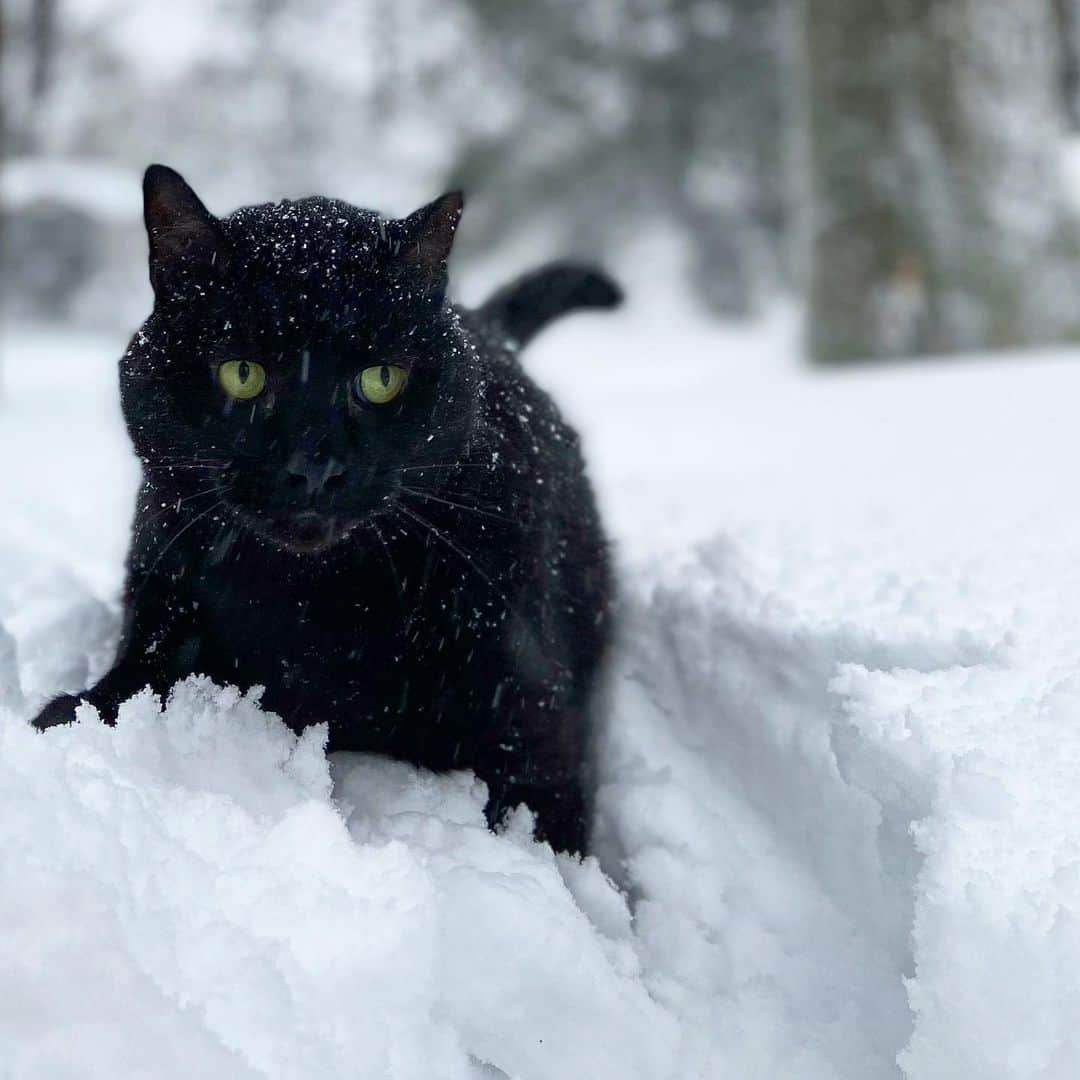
1067	13
3	110
627	117
575	124
3	156
42	45
938	222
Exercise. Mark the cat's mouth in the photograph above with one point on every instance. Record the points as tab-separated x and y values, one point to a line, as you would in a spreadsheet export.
306	532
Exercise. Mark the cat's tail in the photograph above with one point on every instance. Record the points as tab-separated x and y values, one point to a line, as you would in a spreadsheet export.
520	310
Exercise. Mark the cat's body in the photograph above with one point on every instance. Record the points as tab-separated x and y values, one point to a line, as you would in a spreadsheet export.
427	575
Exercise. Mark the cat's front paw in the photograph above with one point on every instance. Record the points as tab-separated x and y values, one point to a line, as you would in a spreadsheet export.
60	710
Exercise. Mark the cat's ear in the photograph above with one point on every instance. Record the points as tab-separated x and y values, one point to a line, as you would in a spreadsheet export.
423	240
185	238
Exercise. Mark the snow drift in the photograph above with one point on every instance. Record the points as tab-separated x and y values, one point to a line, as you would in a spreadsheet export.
183	896
837	823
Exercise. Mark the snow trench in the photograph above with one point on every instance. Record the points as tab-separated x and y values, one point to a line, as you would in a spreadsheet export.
825	849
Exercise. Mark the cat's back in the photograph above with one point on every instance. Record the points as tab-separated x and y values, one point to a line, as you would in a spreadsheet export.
539	473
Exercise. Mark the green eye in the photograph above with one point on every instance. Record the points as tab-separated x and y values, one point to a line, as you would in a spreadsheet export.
242	379
381	384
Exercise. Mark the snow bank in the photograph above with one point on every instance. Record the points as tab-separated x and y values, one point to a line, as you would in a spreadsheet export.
183	895
838	814
997	897
842	839
851	827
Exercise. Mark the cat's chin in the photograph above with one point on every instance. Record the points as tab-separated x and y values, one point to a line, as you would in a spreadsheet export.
305	534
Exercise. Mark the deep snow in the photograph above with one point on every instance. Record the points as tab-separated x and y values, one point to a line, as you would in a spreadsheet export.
840	765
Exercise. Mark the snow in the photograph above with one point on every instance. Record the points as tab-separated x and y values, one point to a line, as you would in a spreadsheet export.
837	822
274	932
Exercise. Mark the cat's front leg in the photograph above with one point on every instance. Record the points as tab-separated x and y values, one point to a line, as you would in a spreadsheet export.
540	759
61	710
154	645
560	807
124	680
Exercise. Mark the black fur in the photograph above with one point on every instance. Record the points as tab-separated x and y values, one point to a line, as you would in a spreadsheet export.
428	576
527	305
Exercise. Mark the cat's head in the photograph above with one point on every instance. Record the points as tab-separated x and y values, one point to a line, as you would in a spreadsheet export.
299	360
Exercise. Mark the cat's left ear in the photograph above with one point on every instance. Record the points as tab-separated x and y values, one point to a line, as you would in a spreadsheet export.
185	238
424	239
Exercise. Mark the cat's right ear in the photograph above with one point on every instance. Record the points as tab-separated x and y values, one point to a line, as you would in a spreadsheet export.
185	238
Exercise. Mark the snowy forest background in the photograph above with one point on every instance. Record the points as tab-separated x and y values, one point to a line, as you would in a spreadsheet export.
837	831
901	168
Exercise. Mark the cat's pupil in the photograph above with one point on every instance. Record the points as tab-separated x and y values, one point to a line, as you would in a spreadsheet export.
243	370
384	375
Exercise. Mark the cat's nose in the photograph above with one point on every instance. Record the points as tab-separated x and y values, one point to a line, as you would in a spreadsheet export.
315	475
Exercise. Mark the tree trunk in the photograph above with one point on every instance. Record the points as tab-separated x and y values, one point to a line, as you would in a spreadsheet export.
3	159
1067	13
937	218
42	45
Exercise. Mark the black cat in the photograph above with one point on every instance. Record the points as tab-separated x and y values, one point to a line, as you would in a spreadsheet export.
353	496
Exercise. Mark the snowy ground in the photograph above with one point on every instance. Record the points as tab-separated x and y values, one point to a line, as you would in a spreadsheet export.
840	790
